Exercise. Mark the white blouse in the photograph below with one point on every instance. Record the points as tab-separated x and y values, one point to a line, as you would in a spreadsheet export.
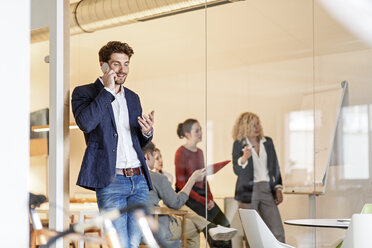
261	173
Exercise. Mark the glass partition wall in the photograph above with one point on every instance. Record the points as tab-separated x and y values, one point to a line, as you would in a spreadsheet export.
285	61
281	60
167	71
342	53
260	60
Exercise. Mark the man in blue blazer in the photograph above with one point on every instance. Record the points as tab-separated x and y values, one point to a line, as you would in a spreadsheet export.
115	131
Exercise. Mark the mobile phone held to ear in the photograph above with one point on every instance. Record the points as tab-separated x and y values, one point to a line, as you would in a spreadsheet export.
105	67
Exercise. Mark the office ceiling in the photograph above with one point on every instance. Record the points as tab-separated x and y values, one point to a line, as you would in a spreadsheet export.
237	34
92	15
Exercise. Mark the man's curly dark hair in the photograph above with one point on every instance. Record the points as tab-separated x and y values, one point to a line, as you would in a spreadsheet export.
114	47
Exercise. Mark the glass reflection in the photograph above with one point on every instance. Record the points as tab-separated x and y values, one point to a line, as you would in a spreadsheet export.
300	153
355	143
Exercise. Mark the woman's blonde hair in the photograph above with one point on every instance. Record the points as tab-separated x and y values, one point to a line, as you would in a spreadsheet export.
244	125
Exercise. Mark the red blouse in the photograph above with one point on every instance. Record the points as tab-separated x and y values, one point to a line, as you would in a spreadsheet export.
187	162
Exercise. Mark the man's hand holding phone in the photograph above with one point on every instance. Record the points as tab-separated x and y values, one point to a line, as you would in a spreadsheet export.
108	77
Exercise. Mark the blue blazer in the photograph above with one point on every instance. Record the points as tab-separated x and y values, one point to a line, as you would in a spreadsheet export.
91	106
244	183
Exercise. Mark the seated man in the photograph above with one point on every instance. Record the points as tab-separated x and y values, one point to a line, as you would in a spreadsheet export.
171	227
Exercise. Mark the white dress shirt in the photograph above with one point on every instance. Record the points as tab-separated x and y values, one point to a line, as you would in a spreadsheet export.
126	156
261	173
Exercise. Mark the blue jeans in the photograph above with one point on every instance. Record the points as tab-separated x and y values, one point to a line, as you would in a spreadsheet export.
124	191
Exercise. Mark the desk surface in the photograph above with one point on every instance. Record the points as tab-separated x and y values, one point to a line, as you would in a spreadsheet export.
329	223
75	208
167	211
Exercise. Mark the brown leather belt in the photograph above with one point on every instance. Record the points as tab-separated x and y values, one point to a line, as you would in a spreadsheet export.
129	172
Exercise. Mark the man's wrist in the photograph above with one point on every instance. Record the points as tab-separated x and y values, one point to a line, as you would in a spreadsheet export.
148	134
110	90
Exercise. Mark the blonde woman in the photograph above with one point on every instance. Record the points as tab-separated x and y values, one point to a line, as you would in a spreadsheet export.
259	184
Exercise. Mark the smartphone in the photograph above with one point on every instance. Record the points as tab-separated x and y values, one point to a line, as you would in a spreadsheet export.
105	67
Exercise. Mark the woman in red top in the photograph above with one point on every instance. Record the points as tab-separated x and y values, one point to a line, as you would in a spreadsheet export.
189	158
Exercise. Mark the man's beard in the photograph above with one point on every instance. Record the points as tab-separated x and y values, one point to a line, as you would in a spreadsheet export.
120	82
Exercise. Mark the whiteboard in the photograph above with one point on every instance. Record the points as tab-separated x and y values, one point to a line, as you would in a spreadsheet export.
325	106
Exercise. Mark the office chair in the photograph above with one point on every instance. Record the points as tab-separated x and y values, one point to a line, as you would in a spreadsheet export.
358	235
367	209
257	232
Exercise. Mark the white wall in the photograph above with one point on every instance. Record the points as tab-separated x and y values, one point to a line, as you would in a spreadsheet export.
14	125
